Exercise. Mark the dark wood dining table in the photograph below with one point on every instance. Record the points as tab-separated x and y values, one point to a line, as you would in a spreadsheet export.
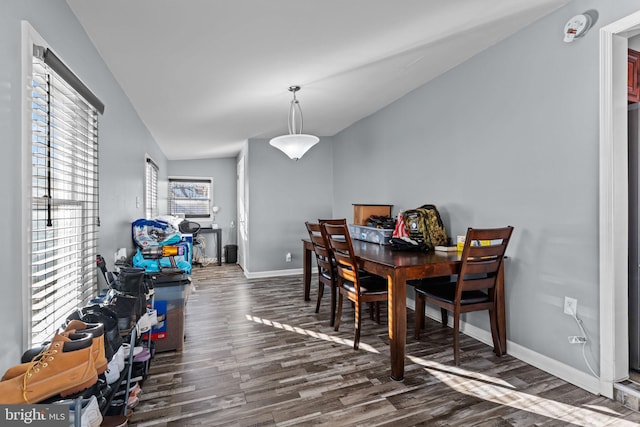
398	267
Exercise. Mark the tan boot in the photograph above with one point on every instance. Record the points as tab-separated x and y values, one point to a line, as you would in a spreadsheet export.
97	348
64	368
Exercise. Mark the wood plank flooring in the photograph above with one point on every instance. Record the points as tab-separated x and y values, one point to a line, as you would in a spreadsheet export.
256	354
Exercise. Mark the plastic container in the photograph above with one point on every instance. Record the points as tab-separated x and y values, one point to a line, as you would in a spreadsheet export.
170	300
381	236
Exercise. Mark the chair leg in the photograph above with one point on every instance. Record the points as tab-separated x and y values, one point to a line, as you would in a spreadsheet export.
339	313
419	316
456	338
378	312
444	316
371	310
320	294
356	339
333	306
494	333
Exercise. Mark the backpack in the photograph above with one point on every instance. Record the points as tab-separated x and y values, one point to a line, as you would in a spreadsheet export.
425	226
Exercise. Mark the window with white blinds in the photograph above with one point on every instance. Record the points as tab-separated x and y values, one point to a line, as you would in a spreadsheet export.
151	189
64	183
190	197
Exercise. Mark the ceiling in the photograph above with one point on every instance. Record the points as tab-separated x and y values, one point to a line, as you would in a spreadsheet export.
206	75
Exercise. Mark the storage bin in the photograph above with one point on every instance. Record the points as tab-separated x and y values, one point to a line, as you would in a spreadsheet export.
170	299
381	236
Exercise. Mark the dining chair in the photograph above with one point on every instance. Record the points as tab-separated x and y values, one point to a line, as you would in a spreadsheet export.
335	221
326	269
351	283
473	289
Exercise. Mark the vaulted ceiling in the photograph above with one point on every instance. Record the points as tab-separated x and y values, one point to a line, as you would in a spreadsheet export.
206	75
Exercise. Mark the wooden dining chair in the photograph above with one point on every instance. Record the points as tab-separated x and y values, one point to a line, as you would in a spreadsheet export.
326	268
337	221
351	284
474	287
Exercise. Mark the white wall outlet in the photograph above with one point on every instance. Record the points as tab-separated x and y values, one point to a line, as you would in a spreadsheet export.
570	306
287	257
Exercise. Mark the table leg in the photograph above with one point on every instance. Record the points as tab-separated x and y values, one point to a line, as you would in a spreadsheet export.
306	269
397	309
219	247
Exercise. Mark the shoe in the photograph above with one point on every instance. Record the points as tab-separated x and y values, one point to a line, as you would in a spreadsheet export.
89	410
152	314
131	281
143	356
106	316
94	390
97	348
64	368
112	374
127	309
123	355
144	323
97	331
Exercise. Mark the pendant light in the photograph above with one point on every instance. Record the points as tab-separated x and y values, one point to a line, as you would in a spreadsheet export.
296	143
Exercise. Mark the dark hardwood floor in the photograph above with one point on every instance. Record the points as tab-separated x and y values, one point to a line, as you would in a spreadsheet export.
256	354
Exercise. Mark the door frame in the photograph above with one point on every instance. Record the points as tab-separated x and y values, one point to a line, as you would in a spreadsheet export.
614	202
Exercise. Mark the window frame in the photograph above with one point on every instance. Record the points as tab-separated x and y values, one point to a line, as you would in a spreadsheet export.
190	180
86	269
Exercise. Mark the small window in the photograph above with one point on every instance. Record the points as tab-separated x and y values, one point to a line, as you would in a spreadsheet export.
151	189
190	197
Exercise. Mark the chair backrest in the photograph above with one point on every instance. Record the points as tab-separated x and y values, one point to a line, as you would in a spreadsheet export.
335	221
189	227
321	249
341	247
482	256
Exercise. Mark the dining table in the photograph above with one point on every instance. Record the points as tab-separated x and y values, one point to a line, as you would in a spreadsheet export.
399	267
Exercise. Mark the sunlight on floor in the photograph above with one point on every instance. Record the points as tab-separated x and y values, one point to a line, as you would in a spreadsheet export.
498	391
318	335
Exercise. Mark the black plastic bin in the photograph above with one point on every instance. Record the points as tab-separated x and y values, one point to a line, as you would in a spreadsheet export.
231	254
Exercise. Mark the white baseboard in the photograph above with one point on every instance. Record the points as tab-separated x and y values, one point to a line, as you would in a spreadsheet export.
273	273
565	372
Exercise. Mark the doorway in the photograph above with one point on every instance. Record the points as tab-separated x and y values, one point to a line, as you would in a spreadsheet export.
614	202
241	209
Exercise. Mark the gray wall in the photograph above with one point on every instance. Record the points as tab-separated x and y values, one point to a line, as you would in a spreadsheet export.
283	194
508	137
124	140
223	172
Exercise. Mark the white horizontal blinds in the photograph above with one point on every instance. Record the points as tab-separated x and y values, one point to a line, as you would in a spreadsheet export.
151	189
191	197
64	201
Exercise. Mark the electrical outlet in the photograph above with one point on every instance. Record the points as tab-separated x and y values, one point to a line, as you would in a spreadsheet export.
577	340
287	257
570	306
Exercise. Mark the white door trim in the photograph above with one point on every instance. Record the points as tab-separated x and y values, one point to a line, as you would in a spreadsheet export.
613	203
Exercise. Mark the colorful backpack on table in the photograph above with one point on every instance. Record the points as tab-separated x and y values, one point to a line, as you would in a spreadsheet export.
424	226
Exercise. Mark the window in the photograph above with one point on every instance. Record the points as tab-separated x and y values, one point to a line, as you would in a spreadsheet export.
151	189
190	197
64	190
